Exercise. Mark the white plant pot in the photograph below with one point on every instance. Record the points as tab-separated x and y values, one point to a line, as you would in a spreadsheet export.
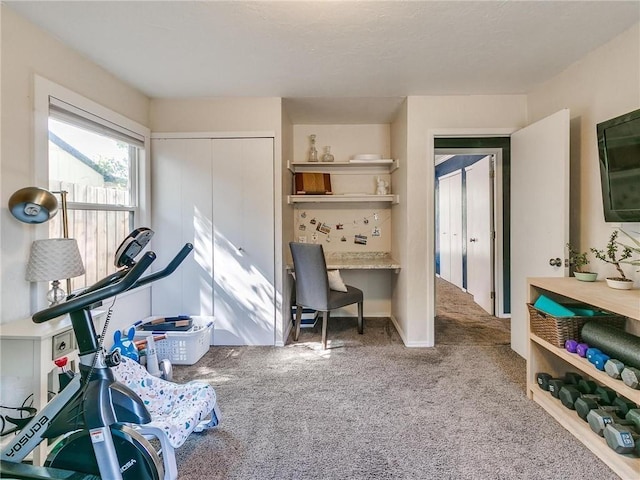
586	276
620	284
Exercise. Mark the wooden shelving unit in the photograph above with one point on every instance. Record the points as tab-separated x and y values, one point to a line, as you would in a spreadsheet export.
545	357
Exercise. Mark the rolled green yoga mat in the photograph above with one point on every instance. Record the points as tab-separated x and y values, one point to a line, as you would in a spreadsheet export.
614	342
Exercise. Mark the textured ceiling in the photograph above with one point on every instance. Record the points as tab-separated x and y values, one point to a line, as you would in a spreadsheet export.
303	50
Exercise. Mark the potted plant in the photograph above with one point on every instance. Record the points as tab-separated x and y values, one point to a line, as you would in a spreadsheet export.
610	255
579	261
634	248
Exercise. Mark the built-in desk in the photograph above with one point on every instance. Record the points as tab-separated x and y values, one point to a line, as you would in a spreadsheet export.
359	261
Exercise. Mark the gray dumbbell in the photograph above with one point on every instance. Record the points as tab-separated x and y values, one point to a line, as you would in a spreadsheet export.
614	368
631	377
620	438
633	416
599	418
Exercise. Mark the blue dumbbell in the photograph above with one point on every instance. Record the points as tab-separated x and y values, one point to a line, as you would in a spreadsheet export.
600	360
592	352
597	358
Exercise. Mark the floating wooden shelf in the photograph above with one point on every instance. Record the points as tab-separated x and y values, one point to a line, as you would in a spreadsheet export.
347	198
368	167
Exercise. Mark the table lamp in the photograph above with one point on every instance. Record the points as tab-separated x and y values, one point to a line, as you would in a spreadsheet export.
54	259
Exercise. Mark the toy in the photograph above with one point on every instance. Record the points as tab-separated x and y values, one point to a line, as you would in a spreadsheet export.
125	345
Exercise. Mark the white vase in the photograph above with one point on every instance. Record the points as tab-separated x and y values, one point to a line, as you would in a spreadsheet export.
620	284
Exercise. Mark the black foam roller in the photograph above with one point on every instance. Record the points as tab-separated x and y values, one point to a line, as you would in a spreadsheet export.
613	341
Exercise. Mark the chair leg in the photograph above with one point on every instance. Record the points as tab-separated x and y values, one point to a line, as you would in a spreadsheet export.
360	318
297	322
167	452
325	321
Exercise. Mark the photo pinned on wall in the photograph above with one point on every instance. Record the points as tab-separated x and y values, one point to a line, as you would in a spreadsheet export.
314	237
313	221
375	215
302	227
343	239
360	239
339	226
323	228
366	221
302	238
375	232
328	239
303	215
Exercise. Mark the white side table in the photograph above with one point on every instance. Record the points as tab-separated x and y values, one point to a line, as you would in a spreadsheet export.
27	351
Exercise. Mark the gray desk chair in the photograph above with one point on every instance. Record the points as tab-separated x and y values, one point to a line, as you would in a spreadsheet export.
312	287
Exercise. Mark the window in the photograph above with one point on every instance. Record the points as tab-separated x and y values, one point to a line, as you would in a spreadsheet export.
96	162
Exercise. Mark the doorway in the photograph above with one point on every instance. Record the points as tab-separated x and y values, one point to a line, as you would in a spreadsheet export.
481	166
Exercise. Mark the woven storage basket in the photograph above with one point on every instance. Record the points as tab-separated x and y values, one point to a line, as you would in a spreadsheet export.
557	330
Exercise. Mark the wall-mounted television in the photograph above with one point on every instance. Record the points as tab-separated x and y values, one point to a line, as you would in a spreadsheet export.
619	152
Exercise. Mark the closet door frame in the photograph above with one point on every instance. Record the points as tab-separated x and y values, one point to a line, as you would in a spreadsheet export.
271	135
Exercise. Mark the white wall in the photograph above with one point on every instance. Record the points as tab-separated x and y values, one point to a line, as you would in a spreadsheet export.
426	115
602	85
236	114
287	220
26	50
344	140
398	145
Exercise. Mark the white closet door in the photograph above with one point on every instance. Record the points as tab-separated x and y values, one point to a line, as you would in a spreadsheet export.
455	228
243	234
443	225
181	198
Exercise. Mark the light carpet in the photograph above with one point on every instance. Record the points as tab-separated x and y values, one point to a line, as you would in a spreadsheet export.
370	408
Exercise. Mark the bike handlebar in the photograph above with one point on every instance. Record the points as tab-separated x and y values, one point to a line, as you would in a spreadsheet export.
84	300
169	269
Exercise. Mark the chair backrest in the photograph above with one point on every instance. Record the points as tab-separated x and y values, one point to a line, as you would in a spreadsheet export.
312	282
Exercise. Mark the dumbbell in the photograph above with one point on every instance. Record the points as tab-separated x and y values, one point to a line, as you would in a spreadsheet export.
603	397
631	377
621	438
614	368
608	402
633	416
570	393
599	418
590	394
573	346
553	385
597	358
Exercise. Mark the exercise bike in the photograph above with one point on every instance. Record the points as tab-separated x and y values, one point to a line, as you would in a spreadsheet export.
90	415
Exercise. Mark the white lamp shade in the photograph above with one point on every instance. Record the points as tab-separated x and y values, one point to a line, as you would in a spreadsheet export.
54	259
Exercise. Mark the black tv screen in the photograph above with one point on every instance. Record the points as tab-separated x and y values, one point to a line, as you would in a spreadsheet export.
619	152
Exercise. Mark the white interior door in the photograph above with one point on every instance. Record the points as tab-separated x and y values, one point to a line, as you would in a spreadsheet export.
539	211
479	239
182	213
455	228
243	231
443	228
